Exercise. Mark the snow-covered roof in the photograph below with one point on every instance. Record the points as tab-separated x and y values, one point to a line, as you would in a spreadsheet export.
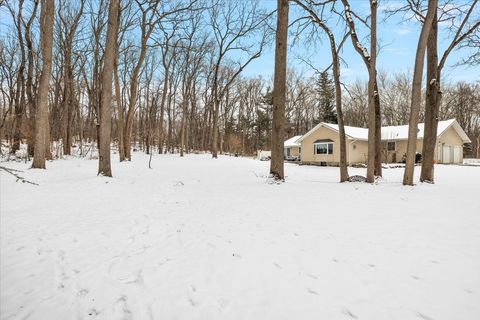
392	132
292	142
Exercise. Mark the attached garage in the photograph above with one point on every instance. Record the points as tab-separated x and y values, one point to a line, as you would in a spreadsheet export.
450	143
321	144
446	154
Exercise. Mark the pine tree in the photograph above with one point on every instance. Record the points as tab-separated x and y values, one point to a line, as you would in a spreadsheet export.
326	98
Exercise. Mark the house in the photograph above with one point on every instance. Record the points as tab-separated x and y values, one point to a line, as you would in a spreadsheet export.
291	147
321	144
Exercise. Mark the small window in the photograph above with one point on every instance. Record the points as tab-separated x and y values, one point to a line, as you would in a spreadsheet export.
323	148
391	146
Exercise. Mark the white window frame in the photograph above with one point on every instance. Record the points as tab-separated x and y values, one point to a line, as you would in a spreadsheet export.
394	149
328	149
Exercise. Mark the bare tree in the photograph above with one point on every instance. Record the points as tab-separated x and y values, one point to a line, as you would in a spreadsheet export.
41	118
104	167
279	83
417	93
374	166
234	22
433	90
338	91
69	20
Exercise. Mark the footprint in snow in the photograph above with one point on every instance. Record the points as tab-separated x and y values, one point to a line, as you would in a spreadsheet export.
120	309
422	316
312	291
193	303
82	293
93	312
349	313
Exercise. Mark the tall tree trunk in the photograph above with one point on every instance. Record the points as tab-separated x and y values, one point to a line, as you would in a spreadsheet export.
120	112
161	136
376	111
279	91
372	169
67	102
183	124
432	103
42	126
378	134
20	85
417	93
216	111
29	83
104	167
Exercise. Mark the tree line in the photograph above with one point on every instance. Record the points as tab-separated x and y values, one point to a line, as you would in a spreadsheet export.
168	76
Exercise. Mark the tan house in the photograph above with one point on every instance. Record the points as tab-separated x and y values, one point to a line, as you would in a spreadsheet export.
291	147
321	144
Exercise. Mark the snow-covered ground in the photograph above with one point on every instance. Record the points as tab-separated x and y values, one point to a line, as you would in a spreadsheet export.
197	238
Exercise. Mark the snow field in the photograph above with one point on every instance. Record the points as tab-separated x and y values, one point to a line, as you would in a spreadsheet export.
198	238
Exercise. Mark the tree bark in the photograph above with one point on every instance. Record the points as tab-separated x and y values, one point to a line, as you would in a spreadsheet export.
417	93
104	167
432	103
373	98
41	118
120	112
279	92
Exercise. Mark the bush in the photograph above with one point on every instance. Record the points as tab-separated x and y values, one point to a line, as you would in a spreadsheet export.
418	158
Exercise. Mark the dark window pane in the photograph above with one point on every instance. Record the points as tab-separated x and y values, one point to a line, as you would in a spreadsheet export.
391	146
320	148
330	148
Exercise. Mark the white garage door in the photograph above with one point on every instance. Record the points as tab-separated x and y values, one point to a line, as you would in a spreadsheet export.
446	154
457	154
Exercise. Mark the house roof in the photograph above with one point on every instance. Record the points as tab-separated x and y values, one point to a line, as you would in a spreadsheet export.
292	142
392	132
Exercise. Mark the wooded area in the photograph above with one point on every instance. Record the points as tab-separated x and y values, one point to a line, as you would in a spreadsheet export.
167	77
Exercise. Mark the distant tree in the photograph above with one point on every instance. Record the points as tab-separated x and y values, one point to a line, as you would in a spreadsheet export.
326	96
233	24
326	86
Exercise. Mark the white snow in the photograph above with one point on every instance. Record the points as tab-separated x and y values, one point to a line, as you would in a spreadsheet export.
197	238
393	132
292	142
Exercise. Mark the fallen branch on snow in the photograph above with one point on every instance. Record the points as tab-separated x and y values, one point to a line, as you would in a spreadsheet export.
14	173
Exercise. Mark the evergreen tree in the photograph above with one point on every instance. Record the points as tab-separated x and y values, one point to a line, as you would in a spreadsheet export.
326	98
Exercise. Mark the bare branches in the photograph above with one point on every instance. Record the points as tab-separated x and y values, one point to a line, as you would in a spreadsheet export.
15	172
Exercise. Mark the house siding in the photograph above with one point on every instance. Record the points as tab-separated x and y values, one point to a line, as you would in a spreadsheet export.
294	151
357	150
449	138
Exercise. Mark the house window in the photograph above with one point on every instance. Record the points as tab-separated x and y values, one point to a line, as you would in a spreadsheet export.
391	146
323	148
